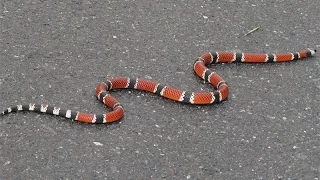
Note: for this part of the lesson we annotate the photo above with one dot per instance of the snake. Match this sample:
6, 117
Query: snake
218, 94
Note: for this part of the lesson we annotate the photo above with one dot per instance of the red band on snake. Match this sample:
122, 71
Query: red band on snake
220, 92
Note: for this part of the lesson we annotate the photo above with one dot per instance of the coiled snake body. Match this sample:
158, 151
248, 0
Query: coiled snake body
219, 94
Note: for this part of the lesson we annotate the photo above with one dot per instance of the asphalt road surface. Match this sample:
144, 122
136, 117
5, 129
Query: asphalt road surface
56, 52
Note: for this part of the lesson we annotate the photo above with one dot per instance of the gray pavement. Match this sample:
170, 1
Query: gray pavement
56, 52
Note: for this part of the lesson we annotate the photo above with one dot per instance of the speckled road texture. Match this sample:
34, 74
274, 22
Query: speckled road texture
56, 52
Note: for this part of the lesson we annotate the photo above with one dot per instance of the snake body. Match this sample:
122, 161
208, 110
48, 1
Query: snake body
220, 92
